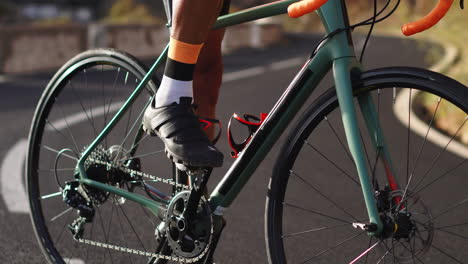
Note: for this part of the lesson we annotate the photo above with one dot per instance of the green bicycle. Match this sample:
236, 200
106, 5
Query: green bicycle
101, 192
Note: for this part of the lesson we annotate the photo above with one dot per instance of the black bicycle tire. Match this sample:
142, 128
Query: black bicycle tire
54, 87
425, 80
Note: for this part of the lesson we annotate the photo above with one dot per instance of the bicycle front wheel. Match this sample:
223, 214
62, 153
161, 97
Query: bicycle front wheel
315, 195
78, 103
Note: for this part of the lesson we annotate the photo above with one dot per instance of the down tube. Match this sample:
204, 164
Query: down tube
281, 115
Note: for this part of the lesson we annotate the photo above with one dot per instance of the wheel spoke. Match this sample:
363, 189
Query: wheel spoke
383, 257
315, 230
323, 195
334, 164
450, 209
137, 121
56, 170
452, 233
317, 213
82, 107
113, 90
440, 177
365, 252
445, 253
105, 234
131, 226
87, 246
60, 132
61, 214
58, 152
148, 216
136, 144
131, 108
434, 162
91, 105
413, 256
64, 227
97, 84
122, 232
68, 127
408, 136
334, 246
47, 196
454, 225
144, 155
425, 138
345, 149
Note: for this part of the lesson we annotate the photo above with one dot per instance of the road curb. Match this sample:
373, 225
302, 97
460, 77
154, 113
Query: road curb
420, 127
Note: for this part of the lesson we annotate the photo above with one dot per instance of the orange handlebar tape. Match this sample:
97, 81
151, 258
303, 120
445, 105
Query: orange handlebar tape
428, 21
304, 7
184, 52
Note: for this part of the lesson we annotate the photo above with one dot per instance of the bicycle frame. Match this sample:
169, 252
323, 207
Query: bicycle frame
336, 54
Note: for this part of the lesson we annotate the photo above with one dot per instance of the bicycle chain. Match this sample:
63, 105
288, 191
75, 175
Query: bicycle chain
139, 173
137, 251
143, 253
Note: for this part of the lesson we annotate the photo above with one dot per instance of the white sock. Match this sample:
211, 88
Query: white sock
171, 90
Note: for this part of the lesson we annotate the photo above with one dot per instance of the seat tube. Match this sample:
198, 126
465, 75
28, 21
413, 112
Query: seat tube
342, 75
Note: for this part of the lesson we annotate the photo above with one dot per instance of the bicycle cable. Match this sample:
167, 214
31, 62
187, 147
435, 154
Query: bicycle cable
370, 21
369, 33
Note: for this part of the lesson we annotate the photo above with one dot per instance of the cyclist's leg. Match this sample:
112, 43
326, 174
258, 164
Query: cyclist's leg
192, 21
173, 120
208, 73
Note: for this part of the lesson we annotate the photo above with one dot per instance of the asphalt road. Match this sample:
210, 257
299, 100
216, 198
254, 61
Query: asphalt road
253, 80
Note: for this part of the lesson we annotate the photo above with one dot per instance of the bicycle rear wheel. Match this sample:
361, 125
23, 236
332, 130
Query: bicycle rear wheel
77, 104
315, 195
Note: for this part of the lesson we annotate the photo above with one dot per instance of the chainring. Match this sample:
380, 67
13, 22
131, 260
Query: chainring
188, 240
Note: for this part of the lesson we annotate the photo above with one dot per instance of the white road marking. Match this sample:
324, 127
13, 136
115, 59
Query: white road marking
3, 79
12, 188
420, 127
80, 117
11, 178
286, 64
73, 261
250, 72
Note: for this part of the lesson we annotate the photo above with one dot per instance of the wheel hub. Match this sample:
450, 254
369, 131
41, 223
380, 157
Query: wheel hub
411, 225
104, 174
404, 226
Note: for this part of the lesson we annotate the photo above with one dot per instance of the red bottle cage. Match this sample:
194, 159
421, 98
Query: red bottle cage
252, 123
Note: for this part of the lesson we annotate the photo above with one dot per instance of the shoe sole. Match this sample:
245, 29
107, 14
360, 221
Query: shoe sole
176, 158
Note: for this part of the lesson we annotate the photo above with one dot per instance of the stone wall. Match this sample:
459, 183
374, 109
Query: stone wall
30, 49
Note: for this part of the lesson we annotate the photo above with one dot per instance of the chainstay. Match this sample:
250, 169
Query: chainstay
140, 173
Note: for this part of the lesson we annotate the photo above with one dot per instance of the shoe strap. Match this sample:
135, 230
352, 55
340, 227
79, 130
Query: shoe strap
208, 122
178, 122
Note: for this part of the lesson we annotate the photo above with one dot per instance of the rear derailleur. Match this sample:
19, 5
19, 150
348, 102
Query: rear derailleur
76, 197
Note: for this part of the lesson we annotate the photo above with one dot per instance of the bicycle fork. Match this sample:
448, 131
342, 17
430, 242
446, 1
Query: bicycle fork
342, 71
